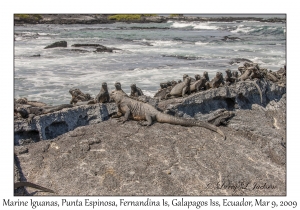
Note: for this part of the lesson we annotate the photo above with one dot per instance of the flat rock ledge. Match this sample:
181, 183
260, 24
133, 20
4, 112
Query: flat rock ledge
112, 158
51, 125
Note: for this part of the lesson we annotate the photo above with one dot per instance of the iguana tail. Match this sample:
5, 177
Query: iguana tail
165, 118
258, 88
29, 184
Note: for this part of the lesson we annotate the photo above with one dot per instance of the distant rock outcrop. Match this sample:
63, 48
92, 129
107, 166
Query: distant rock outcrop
57, 44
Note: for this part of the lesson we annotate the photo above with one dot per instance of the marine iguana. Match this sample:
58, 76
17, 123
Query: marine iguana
186, 76
174, 83
103, 95
162, 93
135, 91
163, 85
229, 79
197, 77
118, 87
142, 111
169, 84
21, 101
198, 85
29, 184
77, 95
32, 103
215, 82
235, 74
205, 75
181, 89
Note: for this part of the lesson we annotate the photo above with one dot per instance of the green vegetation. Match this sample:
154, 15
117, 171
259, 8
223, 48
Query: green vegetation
176, 15
129, 16
27, 16
124, 17
149, 15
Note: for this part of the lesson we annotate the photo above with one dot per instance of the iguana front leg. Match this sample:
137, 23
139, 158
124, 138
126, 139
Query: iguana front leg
149, 121
30, 118
184, 90
126, 116
118, 115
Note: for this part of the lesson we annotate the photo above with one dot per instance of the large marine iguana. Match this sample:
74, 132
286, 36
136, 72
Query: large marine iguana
142, 111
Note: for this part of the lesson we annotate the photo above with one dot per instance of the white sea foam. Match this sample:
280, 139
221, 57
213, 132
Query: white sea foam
194, 25
164, 43
243, 29
47, 34
250, 21
201, 43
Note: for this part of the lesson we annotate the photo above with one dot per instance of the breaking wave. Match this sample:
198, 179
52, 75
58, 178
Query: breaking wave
194, 25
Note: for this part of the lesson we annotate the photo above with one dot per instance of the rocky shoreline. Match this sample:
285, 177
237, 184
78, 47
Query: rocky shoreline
103, 156
103, 19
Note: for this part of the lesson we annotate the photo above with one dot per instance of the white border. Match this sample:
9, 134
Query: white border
153, 6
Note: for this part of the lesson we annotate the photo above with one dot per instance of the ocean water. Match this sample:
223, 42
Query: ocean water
150, 53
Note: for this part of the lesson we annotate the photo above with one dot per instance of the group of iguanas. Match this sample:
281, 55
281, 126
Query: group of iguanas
249, 71
132, 108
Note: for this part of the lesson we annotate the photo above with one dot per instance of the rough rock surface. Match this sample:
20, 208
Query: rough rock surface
238, 96
51, 125
111, 158
200, 106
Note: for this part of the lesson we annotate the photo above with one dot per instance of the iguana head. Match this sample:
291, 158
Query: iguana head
228, 72
218, 75
235, 74
187, 80
104, 85
117, 95
118, 86
197, 77
185, 76
133, 86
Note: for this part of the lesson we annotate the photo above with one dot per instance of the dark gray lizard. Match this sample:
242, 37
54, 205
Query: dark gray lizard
141, 111
29, 184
